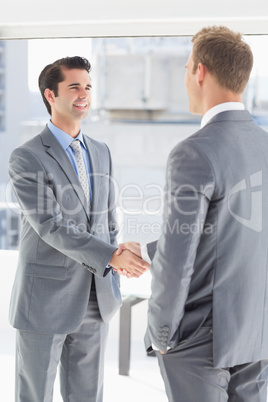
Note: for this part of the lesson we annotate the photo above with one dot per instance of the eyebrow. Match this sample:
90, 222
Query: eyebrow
76, 84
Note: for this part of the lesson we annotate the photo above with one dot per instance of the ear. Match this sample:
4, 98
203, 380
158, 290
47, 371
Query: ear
49, 95
200, 73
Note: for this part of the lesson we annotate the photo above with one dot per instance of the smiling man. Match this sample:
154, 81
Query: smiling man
65, 290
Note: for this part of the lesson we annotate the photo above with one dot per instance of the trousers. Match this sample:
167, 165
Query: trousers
79, 355
189, 375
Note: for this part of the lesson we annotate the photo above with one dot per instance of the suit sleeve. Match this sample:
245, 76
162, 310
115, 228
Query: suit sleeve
151, 249
41, 209
188, 191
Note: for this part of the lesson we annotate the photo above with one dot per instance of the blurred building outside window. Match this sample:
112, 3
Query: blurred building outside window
139, 108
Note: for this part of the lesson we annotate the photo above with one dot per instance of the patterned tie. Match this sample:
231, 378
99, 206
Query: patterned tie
82, 173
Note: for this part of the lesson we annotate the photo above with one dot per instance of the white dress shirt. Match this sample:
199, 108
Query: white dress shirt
222, 107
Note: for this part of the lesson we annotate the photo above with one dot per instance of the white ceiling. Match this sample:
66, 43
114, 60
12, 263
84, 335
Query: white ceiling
88, 18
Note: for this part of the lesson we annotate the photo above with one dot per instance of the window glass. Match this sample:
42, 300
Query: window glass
139, 108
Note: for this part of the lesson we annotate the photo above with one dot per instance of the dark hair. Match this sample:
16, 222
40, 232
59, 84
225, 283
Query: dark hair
52, 74
226, 56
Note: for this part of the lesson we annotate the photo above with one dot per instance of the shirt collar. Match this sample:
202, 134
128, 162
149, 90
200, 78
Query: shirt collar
63, 138
222, 107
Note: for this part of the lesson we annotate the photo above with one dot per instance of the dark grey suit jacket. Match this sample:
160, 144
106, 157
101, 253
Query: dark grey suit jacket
62, 244
210, 264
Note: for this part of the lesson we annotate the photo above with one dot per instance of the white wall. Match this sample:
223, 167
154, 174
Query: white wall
88, 18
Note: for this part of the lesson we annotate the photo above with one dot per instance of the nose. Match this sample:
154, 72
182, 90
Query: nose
83, 94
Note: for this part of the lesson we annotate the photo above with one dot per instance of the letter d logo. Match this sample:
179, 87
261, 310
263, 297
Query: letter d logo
255, 221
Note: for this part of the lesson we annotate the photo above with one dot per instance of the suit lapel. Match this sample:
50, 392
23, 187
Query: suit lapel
55, 150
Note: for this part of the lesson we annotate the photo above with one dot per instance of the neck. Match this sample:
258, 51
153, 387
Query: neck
214, 94
211, 102
72, 128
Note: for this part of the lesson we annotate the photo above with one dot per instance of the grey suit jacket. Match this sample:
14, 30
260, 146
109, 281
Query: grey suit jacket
62, 244
210, 264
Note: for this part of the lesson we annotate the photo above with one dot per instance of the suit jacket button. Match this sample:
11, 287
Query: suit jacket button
165, 329
163, 343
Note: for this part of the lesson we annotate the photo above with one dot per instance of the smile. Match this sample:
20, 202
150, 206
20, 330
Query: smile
83, 105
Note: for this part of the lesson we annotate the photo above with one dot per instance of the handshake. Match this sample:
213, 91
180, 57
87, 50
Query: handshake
127, 260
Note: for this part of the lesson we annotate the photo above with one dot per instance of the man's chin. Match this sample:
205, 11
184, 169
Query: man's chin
194, 111
81, 115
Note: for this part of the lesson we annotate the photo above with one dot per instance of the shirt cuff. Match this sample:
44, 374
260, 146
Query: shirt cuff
156, 348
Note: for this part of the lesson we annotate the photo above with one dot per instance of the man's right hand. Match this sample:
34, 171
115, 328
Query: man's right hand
129, 262
132, 246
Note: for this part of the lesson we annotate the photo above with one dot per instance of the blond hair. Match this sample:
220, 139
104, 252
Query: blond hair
226, 56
